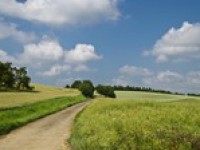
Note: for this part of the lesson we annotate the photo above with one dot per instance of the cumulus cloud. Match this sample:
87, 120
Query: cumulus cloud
9, 30
121, 80
173, 81
55, 70
81, 68
50, 59
47, 50
5, 57
81, 54
62, 12
182, 43
136, 71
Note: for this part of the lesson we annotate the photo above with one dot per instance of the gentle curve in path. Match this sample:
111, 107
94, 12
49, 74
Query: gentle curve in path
49, 133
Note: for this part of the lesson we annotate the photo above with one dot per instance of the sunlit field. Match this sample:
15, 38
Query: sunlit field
132, 122
133, 95
41, 92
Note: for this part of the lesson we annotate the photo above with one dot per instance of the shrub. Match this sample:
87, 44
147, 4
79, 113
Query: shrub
107, 91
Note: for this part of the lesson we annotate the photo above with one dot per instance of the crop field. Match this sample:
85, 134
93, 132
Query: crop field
41, 92
139, 124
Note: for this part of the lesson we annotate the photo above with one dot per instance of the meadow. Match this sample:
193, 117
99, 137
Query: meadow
135, 95
139, 121
40, 93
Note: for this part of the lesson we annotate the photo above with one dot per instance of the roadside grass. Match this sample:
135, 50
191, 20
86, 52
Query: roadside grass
41, 92
138, 125
12, 118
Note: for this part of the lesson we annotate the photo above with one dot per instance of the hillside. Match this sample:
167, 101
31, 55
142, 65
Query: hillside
41, 92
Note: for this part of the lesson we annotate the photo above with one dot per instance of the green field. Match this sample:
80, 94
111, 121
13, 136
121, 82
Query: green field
41, 92
133, 95
134, 123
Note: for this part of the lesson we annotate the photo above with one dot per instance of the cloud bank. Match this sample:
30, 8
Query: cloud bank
50, 59
10, 30
178, 44
61, 12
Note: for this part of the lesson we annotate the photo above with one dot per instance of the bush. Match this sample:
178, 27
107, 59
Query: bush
87, 88
107, 91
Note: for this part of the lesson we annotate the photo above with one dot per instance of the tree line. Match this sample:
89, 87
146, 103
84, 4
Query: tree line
87, 89
14, 77
144, 89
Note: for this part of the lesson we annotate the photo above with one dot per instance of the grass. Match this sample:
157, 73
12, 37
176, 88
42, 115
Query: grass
139, 124
16, 117
42, 92
134, 95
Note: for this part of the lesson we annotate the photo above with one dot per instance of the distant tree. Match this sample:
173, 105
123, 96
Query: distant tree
76, 84
107, 91
67, 86
87, 88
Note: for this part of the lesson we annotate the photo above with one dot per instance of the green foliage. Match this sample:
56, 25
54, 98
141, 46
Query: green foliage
76, 84
107, 91
87, 88
16, 117
12, 77
138, 125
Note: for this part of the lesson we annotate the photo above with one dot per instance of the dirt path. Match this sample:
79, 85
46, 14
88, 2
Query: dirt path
49, 133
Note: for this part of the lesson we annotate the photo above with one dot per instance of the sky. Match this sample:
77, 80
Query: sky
120, 42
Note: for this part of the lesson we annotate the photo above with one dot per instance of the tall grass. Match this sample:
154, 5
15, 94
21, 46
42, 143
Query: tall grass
138, 125
16, 117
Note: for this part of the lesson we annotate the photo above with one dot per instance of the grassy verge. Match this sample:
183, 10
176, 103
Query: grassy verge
16, 117
138, 125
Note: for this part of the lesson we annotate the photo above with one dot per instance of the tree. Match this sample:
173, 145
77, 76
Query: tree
67, 86
6, 75
13, 77
107, 91
22, 80
76, 84
87, 88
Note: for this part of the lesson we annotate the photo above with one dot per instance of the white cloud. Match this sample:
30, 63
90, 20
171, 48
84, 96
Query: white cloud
47, 50
169, 77
81, 68
12, 31
48, 58
133, 70
55, 70
60, 12
121, 80
5, 57
82, 53
173, 81
182, 43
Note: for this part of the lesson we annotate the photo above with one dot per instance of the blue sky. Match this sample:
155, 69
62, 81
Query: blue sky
138, 42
